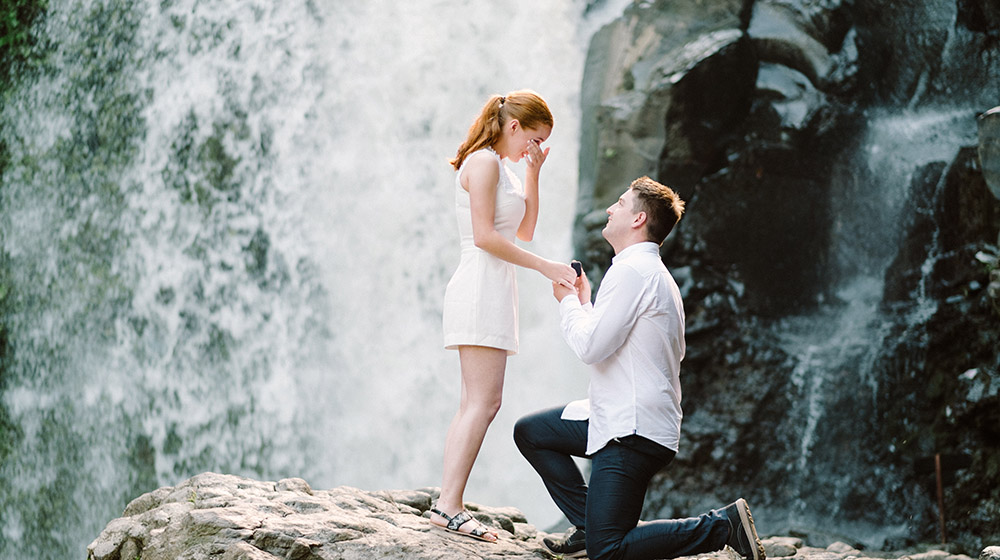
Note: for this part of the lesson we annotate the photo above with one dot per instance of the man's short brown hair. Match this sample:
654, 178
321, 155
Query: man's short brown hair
663, 207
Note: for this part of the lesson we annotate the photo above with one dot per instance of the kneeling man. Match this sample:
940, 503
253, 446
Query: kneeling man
633, 337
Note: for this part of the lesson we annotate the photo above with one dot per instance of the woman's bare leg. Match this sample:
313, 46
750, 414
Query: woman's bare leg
482, 391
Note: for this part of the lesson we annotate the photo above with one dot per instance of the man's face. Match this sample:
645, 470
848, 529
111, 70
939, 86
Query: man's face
620, 218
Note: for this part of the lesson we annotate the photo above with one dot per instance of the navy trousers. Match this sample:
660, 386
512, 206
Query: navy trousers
608, 510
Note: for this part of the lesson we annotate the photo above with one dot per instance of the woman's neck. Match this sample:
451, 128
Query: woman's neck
500, 147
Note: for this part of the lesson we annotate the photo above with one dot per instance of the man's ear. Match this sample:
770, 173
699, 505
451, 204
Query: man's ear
639, 220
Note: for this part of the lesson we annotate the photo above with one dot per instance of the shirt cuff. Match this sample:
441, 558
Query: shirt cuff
572, 301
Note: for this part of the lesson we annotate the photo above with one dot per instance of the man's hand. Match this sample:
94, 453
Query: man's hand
560, 291
583, 289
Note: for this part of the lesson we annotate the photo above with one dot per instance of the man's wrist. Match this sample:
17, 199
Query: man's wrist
569, 301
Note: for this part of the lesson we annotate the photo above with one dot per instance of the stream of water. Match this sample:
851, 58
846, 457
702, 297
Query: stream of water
230, 226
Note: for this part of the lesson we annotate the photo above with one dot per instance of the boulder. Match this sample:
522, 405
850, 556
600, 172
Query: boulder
781, 547
990, 553
738, 112
661, 85
227, 517
224, 516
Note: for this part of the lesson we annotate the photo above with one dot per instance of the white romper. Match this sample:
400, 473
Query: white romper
480, 303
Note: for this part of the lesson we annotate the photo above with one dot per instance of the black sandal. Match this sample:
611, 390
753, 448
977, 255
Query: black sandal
461, 518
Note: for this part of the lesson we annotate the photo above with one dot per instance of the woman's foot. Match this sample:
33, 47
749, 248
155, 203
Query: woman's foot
464, 524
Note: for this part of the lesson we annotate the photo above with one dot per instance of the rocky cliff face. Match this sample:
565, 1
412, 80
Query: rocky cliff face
834, 258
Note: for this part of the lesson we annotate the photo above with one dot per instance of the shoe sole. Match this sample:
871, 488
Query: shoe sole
746, 518
464, 534
577, 554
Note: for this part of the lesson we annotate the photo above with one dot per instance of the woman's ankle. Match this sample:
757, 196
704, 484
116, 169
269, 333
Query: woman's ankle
448, 507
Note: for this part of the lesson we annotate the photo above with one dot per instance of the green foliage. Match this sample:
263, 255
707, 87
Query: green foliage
4, 155
16, 47
16, 39
79, 176
11, 433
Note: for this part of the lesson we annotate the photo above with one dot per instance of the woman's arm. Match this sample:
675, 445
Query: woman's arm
480, 177
536, 157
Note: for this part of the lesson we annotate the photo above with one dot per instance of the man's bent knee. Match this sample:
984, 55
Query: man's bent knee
522, 432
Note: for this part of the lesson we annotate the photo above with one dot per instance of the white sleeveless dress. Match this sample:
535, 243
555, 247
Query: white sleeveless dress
480, 303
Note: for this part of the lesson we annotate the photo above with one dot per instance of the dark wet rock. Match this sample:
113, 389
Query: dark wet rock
688, 60
914, 53
802, 36
767, 117
981, 16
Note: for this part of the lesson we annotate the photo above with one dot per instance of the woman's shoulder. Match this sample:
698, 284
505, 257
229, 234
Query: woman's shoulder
483, 155
481, 161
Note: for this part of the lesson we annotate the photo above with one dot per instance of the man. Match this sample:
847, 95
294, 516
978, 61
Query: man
633, 336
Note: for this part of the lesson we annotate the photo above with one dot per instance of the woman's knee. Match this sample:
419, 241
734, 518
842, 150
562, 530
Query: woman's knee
485, 408
491, 409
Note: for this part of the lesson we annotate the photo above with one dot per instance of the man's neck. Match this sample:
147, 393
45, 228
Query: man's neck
628, 243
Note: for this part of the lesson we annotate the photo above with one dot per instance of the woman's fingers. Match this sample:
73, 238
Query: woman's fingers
536, 155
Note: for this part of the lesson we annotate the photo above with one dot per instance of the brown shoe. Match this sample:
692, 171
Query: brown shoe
742, 533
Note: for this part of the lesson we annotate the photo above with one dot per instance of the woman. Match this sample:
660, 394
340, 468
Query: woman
480, 304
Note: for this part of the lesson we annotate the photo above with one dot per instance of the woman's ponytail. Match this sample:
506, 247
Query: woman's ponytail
484, 132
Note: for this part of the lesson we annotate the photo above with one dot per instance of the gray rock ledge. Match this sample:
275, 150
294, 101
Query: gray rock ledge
226, 517
229, 517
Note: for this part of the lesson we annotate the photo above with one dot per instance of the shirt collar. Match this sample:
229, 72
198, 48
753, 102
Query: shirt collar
641, 247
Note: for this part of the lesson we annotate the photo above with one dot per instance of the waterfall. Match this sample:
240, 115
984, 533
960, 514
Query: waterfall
227, 229
837, 348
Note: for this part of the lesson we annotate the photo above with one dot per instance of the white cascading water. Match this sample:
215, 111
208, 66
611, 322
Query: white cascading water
838, 345
265, 298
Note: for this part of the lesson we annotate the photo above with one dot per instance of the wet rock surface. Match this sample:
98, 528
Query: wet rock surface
838, 256
223, 516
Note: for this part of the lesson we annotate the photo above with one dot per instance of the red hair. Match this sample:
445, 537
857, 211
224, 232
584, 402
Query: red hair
526, 106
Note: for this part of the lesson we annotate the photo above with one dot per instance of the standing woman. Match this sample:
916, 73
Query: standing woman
480, 304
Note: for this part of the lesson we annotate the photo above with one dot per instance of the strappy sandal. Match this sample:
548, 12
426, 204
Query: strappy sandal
461, 518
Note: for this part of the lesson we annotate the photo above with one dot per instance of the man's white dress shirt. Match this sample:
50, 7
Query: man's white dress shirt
633, 336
